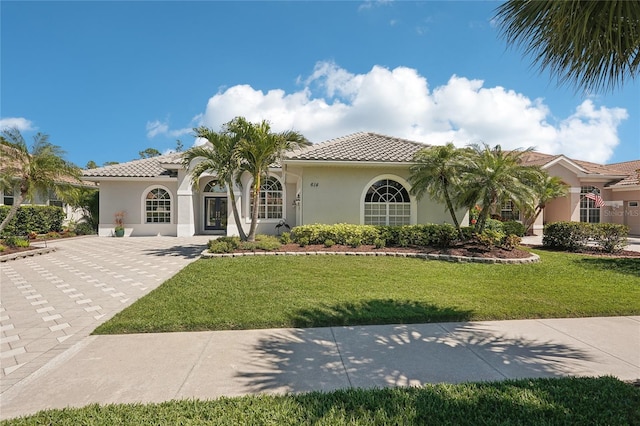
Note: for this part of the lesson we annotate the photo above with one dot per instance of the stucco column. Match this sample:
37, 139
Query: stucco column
185, 218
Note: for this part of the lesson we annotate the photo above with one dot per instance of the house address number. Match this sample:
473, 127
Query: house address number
315, 184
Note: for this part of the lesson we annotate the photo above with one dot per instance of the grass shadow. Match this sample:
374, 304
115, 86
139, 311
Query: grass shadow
376, 311
628, 266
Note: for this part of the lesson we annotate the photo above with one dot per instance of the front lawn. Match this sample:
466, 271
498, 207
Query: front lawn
315, 291
569, 401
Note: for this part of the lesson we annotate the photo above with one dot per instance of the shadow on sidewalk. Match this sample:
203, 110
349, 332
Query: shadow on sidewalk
191, 251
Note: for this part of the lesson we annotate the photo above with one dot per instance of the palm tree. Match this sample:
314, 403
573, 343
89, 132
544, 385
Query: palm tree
493, 175
546, 188
258, 148
437, 172
34, 172
218, 157
592, 44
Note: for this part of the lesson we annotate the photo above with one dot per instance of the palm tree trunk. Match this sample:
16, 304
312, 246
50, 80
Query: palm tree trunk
452, 212
234, 209
255, 196
12, 211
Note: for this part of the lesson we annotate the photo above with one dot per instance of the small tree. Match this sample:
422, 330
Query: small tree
546, 188
493, 175
149, 153
258, 148
33, 172
218, 157
437, 171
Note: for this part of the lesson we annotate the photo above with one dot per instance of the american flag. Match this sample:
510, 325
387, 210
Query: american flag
596, 198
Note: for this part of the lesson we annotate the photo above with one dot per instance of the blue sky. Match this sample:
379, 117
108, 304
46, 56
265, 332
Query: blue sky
108, 79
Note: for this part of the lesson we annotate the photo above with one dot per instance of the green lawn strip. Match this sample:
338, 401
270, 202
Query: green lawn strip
313, 291
574, 401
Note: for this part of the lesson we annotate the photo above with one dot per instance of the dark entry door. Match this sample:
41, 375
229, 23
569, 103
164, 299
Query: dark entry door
215, 213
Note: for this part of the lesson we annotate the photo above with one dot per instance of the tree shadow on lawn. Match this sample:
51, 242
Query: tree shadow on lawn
380, 356
630, 266
376, 311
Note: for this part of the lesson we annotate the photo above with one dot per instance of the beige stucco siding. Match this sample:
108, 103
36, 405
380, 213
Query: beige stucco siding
128, 196
335, 195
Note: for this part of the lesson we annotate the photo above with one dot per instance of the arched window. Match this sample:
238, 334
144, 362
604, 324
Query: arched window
270, 199
157, 206
215, 186
387, 202
590, 203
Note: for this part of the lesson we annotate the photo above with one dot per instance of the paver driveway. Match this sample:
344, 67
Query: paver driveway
49, 302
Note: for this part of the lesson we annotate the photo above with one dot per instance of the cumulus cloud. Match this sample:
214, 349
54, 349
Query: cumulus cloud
333, 102
20, 123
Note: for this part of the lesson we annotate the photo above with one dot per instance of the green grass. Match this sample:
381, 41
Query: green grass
569, 401
309, 291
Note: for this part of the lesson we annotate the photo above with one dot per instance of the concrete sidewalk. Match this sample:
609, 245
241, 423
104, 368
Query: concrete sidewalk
204, 365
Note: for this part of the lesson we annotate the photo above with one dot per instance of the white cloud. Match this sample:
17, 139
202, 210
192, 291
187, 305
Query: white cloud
334, 102
20, 123
157, 127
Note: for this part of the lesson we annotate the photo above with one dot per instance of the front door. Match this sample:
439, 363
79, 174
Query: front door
215, 213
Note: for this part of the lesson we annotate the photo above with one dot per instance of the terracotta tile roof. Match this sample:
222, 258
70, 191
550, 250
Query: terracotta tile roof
631, 169
148, 167
535, 158
363, 146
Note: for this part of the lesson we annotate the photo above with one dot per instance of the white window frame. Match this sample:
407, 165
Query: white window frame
284, 202
144, 205
413, 203
590, 204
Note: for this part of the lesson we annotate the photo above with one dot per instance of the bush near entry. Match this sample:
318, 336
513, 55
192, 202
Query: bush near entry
574, 236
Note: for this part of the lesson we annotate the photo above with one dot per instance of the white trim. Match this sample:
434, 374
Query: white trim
172, 206
414, 202
572, 166
247, 201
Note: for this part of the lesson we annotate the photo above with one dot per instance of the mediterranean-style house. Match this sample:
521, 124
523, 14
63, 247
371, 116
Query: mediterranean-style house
360, 178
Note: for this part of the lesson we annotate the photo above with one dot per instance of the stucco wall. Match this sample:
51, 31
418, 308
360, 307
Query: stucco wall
334, 195
125, 196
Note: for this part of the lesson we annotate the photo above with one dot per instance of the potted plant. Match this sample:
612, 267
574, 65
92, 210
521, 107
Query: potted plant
119, 224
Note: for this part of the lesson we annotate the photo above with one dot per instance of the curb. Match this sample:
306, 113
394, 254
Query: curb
534, 258
27, 253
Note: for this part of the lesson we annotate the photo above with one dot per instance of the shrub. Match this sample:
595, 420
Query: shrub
303, 241
15, 241
329, 243
511, 241
267, 242
379, 243
567, 235
513, 227
285, 238
611, 237
467, 232
38, 219
85, 228
340, 233
2, 248
446, 235
224, 245
52, 235
490, 238
494, 225
354, 242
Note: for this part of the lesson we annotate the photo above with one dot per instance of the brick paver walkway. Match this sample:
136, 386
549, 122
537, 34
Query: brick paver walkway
49, 302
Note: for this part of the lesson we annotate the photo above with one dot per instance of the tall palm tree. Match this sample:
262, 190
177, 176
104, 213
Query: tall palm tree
437, 171
493, 175
546, 188
217, 157
592, 44
33, 172
257, 149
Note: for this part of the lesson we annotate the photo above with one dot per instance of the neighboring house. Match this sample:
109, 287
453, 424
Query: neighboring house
618, 185
360, 178
72, 214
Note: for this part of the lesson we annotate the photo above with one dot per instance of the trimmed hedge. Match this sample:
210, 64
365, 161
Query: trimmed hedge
38, 219
573, 236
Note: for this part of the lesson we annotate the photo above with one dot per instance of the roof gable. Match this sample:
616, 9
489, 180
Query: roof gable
360, 147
